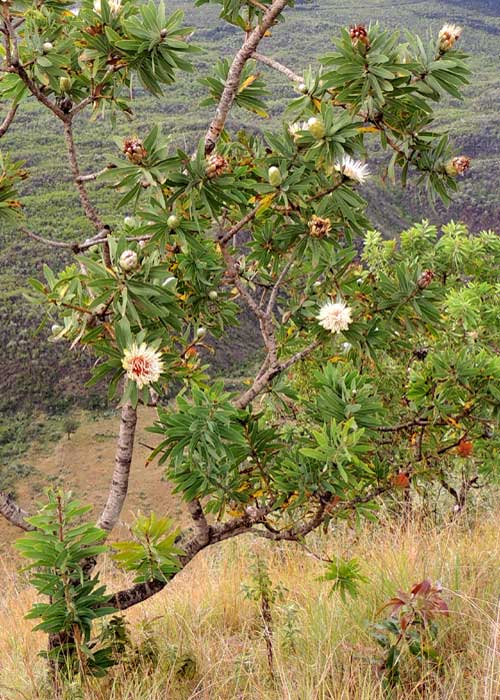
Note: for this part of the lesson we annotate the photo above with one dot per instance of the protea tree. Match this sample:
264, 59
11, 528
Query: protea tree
367, 380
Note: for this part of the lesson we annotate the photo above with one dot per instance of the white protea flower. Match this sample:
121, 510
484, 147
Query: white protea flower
294, 128
114, 6
353, 169
335, 316
142, 364
449, 34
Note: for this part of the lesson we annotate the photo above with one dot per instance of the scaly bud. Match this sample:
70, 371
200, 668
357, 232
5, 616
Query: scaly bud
134, 150
216, 165
128, 260
457, 166
448, 35
359, 34
318, 227
425, 279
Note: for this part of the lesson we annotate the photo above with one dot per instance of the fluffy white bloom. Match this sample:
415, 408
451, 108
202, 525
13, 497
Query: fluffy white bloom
449, 34
335, 316
114, 6
353, 169
128, 260
294, 128
142, 364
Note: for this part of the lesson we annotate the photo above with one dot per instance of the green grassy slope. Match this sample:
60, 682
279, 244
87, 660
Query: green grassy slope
36, 373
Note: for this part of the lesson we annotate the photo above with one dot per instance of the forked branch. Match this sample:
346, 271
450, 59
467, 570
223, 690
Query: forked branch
229, 93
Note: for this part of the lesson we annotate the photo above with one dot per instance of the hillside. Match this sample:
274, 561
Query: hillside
61, 461
38, 374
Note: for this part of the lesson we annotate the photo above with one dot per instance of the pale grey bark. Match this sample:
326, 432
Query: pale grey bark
121, 473
13, 513
276, 65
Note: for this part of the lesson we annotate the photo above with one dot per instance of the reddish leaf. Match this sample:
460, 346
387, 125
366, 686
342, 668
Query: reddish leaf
422, 588
401, 480
465, 448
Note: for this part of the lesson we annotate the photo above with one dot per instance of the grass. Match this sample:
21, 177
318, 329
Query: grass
208, 642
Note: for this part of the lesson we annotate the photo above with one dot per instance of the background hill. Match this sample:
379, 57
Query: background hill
38, 375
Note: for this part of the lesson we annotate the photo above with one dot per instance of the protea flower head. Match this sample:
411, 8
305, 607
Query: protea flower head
318, 227
352, 169
134, 150
457, 166
449, 34
335, 316
359, 34
216, 165
142, 364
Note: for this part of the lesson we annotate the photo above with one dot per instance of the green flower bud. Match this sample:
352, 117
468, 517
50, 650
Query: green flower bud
65, 83
274, 176
316, 128
213, 295
173, 221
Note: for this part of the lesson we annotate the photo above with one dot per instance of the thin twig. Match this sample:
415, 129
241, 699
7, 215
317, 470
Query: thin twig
228, 235
93, 176
276, 65
90, 211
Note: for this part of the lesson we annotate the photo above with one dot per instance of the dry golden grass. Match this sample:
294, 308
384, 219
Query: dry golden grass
204, 624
